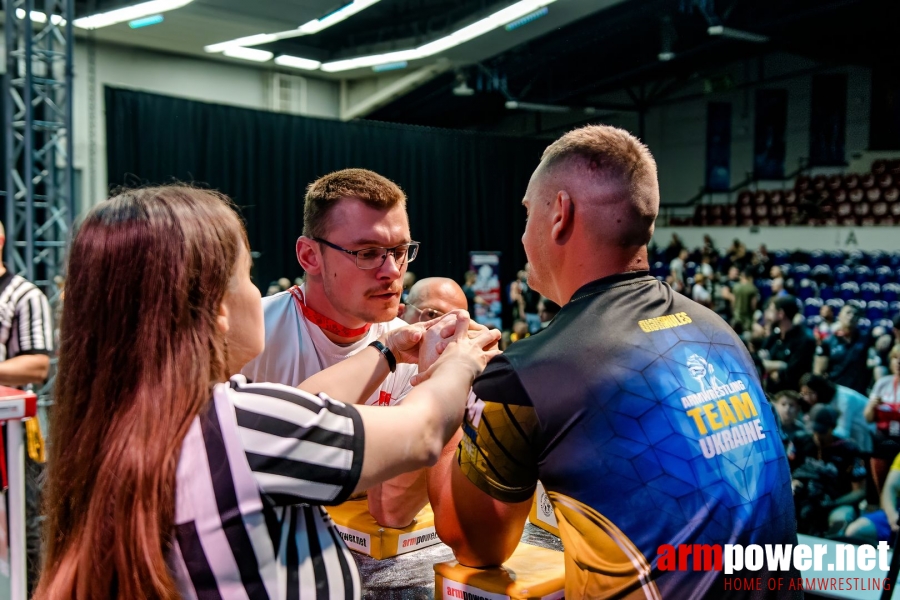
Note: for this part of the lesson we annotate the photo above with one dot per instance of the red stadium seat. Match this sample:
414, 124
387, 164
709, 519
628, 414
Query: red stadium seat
764, 221
844, 210
778, 210
885, 180
851, 181
880, 209
776, 197
761, 197
879, 166
732, 212
762, 211
745, 197
862, 209
802, 183
895, 209
894, 167
819, 182
780, 221
839, 195
830, 221
715, 210
873, 194
790, 197
746, 212
867, 181
848, 221
747, 223
891, 194
835, 182
856, 195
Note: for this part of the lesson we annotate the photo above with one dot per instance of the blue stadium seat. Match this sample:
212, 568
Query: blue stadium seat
870, 291
863, 274
849, 290
864, 325
659, 268
817, 258
860, 304
827, 292
780, 257
800, 271
836, 304
884, 274
894, 307
812, 306
835, 258
886, 323
765, 288
894, 260
813, 321
842, 273
807, 289
856, 257
878, 258
890, 292
876, 310
690, 268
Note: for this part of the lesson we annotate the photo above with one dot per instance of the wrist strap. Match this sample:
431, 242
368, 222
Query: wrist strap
392, 361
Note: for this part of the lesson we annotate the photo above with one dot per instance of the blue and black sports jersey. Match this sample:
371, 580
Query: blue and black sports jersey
642, 414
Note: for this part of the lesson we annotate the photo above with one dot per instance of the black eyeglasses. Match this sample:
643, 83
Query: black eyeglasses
373, 258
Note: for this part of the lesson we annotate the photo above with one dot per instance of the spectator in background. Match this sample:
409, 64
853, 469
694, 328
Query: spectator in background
472, 299
547, 309
788, 353
273, 289
673, 250
284, 283
519, 331
881, 525
844, 356
709, 247
745, 297
706, 268
788, 406
883, 409
828, 325
525, 300
762, 258
831, 474
676, 270
431, 298
849, 404
778, 287
699, 293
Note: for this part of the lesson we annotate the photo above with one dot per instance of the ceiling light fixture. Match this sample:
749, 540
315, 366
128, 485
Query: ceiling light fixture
308, 28
737, 34
251, 54
665, 56
394, 66
286, 60
548, 108
476, 29
146, 21
527, 19
129, 13
39, 17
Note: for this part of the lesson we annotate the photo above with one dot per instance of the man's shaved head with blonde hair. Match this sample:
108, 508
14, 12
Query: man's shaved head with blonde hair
617, 178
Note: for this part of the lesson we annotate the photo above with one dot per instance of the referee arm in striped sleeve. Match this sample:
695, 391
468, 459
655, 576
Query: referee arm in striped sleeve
304, 448
31, 339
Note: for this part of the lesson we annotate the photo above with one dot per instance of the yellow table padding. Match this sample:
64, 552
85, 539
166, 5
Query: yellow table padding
530, 573
541, 514
363, 534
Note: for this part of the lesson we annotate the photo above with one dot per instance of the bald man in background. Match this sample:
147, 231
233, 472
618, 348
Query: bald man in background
636, 454
431, 298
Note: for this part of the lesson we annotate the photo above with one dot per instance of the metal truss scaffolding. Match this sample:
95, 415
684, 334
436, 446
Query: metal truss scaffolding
39, 183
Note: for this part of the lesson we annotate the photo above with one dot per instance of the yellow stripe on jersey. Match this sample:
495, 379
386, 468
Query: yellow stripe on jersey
496, 451
601, 561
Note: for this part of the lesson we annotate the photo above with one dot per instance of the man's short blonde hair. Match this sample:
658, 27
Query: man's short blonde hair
618, 157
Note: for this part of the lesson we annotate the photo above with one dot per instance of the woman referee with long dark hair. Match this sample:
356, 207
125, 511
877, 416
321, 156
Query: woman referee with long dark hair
168, 480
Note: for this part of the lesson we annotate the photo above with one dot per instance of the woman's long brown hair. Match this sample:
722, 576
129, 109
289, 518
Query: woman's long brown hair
139, 353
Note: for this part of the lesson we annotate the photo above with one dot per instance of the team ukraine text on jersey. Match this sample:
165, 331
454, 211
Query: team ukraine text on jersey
642, 414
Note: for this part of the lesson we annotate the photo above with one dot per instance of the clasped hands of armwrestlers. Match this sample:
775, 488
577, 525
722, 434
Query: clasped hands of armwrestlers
451, 337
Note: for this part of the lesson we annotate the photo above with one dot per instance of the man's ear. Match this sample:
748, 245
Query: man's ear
562, 214
222, 321
308, 255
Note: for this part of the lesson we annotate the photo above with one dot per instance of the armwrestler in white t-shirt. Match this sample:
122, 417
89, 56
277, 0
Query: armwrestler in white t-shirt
347, 301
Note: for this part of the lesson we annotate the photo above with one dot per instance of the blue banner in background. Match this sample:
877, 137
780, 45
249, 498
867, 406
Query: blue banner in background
718, 146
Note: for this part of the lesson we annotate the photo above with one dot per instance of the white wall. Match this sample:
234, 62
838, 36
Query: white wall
867, 239
186, 77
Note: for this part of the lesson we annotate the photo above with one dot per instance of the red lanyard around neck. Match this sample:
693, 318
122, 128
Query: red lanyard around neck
324, 322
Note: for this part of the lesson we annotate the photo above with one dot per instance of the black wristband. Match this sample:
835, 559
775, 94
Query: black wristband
392, 361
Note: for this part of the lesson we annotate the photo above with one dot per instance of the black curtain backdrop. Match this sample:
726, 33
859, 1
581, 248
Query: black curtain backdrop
464, 190
828, 120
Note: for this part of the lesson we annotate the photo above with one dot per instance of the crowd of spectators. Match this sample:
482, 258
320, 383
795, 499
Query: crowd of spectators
824, 332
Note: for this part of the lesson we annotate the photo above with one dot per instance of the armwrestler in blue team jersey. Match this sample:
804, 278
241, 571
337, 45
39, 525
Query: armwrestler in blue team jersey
639, 410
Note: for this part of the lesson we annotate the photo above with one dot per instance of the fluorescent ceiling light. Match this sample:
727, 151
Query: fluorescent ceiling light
308, 28
344, 12
394, 66
249, 54
460, 36
527, 19
549, 108
286, 60
39, 17
129, 13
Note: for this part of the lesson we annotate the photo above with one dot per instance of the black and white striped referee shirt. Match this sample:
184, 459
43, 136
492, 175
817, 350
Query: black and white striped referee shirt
25, 326
255, 469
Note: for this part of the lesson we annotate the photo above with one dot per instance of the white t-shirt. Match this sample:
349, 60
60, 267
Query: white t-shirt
676, 267
297, 349
701, 294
